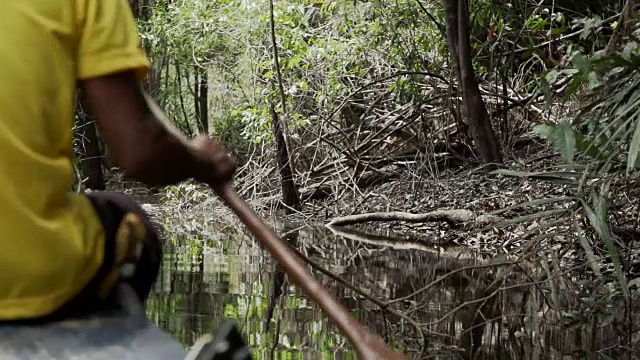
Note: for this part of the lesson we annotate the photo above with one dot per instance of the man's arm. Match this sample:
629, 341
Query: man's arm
143, 143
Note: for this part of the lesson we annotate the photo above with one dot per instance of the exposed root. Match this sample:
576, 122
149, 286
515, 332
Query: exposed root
453, 217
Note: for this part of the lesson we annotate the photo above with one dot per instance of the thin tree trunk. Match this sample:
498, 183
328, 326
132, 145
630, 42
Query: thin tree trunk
291, 199
202, 96
142, 11
183, 108
453, 38
193, 89
196, 92
625, 26
451, 29
290, 195
483, 135
477, 116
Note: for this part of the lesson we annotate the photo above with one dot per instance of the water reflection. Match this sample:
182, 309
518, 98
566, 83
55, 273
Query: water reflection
224, 274
204, 282
201, 285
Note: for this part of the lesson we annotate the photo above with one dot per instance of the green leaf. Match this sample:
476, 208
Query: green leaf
588, 250
581, 63
561, 136
598, 220
545, 89
634, 149
552, 76
589, 148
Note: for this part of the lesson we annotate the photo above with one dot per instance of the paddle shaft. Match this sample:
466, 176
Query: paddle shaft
367, 345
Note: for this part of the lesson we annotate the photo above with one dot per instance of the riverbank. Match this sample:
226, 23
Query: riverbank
536, 269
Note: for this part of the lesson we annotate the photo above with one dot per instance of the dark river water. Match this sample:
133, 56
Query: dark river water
216, 272
206, 279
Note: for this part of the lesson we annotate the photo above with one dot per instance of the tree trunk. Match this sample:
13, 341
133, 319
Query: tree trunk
290, 195
477, 116
625, 26
90, 153
451, 29
201, 96
451, 22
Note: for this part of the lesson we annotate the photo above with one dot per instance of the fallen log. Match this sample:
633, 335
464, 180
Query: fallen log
454, 217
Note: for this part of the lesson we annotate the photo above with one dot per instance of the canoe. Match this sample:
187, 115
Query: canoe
122, 332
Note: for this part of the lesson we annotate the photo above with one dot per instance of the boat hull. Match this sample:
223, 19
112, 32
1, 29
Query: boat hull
122, 332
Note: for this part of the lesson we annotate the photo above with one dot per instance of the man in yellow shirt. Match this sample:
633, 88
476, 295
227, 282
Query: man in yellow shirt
58, 248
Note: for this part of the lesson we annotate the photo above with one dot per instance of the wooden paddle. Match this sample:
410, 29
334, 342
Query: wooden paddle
368, 346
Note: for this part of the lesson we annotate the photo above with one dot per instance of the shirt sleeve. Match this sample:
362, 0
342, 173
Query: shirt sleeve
109, 40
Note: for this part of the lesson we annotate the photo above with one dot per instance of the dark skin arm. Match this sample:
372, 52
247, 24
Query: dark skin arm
143, 143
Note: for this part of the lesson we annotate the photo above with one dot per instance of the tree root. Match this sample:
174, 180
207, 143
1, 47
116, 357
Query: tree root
454, 217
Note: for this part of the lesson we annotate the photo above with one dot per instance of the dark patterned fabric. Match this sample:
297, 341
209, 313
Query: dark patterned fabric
112, 208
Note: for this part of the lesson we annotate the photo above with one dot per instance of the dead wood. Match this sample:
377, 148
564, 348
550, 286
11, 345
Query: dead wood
454, 217
324, 189
627, 234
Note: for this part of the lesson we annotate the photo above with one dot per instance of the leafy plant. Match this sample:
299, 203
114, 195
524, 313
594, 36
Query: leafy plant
599, 146
608, 128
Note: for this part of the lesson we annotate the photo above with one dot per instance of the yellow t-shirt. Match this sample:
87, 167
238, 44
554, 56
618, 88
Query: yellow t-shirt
51, 241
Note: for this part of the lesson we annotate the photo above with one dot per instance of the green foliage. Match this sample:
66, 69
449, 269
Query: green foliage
325, 52
567, 141
599, 145
613, 117
181, 37
608, 127
561, 136
328, 52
